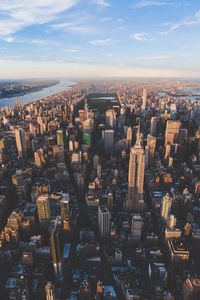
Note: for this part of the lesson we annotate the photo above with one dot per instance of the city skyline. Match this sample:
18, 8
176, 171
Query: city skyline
99, 38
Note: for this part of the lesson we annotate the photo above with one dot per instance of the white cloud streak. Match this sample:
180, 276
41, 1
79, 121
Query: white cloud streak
141, 37
19, 14
103, 3
186, 22
103, 42
148, 3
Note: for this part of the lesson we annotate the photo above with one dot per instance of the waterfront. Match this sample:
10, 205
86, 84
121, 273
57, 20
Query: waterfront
29, 97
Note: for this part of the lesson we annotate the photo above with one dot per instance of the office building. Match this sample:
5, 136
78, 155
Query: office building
21, 185
172, 132
191, 289
167, 150
43, 208
144, 99
129, 136
56, 247
178, 251
50, 293
166, 207
153, 126
146, 157
104, 221
136, 227
135, 197
60, 139
65, 211
110, 118
20, 143
151, 142
108, 140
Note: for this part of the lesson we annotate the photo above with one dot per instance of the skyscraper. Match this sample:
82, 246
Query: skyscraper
153, 126
151, 142
172, 132
49, 289
166, 206
20, 142
108, 140
144, 98
104, 221
110, 118
65, 211
129, 136
135, 197
55, 240
136, 227
43, 209
60, 139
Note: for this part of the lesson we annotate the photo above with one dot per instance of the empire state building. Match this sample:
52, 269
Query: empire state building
135, 196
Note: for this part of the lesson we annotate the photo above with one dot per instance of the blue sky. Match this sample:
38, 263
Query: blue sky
79, 38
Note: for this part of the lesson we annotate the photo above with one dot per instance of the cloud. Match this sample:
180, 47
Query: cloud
77, 27
186, 22
8, 39
18, 14
148, 3
104, 3
141, 36
70, 50
44, 43
103, 42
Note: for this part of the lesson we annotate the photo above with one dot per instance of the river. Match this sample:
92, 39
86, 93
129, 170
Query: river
33, 96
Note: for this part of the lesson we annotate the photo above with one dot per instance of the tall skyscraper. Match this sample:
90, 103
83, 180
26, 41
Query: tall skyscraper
172, 132
110, 118
129, 136
60, 139
20, 142
144, 98
65, 211
108, 140
166, 206
153, 126
104, 221
136, 227
22, 189
151, 142
56, 246
135, 197
43, 209
49, 289
146, 156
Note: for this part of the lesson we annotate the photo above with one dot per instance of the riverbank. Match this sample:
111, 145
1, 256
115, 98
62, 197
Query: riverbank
34, 96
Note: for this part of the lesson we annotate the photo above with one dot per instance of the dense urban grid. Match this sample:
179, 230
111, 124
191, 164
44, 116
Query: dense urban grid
100, 193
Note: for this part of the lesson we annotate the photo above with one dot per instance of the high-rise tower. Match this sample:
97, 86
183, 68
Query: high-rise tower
166, 206
135, 197
172, 132
104, 221
129, 136
43, 209
55, 240
49, 289
20, 142
65, 211
151, 142
144, 98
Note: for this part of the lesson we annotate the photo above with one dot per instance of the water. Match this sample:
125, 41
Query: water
24, 99
190, 91
104, 98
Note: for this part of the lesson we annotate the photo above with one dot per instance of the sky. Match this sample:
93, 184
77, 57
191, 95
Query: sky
99, 38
